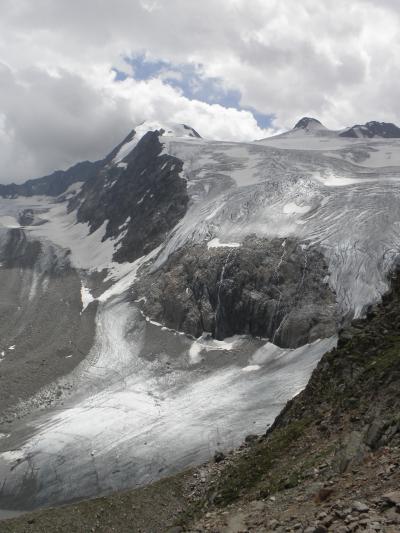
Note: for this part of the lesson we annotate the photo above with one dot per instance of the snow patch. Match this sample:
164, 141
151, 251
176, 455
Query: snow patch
125, 150
13, 455
73, 189
215, 243
124, 274
88, 250
9, 222
251, 368
207, 343
292, 208
332, 180
168, 130
86, 296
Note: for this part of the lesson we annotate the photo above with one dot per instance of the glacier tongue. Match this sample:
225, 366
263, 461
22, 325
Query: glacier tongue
138, 419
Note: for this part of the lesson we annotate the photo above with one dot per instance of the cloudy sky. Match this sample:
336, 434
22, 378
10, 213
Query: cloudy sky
77, 75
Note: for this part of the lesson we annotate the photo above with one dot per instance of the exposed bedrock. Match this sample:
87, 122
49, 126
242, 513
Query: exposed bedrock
43, 334
140, 199
267, 288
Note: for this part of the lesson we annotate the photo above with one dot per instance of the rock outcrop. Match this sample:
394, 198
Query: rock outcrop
266, 288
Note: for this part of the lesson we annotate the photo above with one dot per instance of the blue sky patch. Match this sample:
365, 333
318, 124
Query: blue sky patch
191, 81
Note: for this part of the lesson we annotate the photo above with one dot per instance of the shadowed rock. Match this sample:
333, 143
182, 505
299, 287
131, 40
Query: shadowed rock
266, 288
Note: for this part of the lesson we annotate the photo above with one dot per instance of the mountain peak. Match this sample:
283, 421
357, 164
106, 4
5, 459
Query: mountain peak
386, 130
164, 129
308, 123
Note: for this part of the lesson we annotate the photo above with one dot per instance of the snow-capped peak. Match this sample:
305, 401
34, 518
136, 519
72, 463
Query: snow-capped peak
309, 124
165, 129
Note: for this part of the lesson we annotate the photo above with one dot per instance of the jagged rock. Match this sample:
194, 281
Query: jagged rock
144, 198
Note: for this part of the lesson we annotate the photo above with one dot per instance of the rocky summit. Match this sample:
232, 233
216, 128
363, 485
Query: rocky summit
213, 324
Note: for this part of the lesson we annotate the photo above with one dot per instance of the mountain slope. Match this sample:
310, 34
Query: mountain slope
206, 275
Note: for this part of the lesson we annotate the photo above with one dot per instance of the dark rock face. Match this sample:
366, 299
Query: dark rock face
142, 200
53, 184
266, 288
387, 130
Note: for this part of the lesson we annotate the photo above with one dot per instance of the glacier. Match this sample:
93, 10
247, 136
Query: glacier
145, 400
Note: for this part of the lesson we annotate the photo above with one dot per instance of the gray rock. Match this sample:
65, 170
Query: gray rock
392, 498
351, 453
360, 507
263, 289
218, 457
273, 524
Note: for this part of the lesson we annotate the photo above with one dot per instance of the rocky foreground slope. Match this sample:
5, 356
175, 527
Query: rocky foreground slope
329, 463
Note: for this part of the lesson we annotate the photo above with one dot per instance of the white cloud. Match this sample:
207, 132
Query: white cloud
60, 103
54, 120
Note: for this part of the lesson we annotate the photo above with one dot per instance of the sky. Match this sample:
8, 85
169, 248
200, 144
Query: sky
77, 75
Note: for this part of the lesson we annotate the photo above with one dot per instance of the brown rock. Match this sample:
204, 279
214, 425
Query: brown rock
392, 498
324, 494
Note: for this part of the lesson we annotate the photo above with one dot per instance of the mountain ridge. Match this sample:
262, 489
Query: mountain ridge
58, 182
